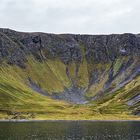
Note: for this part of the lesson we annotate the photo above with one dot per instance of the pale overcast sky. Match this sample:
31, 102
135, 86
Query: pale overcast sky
71, 16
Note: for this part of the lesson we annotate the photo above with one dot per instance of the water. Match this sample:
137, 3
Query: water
70, 130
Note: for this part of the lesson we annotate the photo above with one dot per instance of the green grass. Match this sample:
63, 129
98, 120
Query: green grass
17, 97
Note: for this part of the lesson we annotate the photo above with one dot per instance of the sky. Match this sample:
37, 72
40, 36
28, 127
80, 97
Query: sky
71, 16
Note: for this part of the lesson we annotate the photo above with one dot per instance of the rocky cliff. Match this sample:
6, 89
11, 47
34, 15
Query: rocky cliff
79, 69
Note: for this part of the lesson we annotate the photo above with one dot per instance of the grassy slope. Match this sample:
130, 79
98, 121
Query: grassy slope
17, 96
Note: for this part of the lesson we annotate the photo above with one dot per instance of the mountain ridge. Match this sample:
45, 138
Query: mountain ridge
78, 69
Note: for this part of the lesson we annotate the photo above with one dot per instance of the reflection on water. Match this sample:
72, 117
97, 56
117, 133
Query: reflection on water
70, 130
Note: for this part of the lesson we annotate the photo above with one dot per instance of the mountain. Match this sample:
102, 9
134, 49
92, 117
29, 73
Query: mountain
66, 76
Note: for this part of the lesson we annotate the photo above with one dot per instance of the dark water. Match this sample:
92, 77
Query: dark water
70, 131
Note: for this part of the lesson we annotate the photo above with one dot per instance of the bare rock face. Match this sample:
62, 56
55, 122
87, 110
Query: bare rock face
100, 48
11, 51
111, 60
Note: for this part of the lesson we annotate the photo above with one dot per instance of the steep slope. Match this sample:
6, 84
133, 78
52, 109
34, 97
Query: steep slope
99, 71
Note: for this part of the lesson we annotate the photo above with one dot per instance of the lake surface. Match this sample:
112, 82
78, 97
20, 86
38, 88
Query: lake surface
70, 130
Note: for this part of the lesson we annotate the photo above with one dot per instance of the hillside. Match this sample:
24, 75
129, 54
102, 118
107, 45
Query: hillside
66, 76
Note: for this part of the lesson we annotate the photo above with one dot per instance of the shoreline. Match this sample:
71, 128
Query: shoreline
70, 120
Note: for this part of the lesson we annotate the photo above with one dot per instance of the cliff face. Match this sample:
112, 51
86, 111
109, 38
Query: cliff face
75, 68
